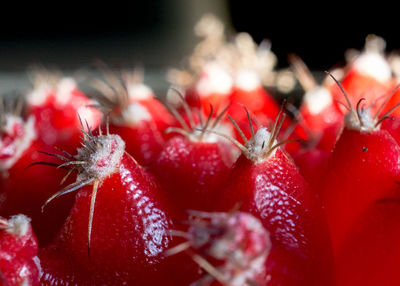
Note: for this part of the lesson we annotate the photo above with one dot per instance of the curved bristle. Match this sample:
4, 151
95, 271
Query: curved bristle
208, 267
207, 121
302, 72
178, 117
68, 189
63, 151
4, 224
42, 163
378, 112
67, 175
72, 163
55, 155
176, 130
246, 142
386, 115
186, 107
282, 143
91, 212
342, 89
200, 115
177, 249
232, 140
358, 111
342, 104
250, 123
277, 125
219, 116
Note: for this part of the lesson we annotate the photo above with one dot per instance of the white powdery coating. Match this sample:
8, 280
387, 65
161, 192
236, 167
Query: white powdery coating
367, 123
65, 88
214, 80
258, 146
19, 225
373, 64
135, 113
39, 95
247, 80
20, 144
139, 91
105, 160
63, 92
242, 265
317, 99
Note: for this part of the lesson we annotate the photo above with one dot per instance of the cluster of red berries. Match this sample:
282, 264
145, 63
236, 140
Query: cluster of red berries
217, 186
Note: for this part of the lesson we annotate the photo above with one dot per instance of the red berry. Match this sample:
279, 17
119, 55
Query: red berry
230, 247
119, 215
19, 264
369, 75
135, 114
24, 190
361, 169
56, 108
266, 183
192, 168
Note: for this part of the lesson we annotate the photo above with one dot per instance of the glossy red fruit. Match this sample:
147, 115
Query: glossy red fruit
193, 168
118, 227
23, 189
361, 169
140, 93
373, 238
319, 112
136, 115
19, 264
139, 130
231, 248
369, 75
56, 108
266, 183
214, 86
372, 158
248, 92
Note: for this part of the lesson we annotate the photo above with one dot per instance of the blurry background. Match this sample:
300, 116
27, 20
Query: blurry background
158, 34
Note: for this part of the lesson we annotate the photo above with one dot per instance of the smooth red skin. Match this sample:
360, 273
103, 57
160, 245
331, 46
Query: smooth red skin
27, 189
371, 253
355, 179
143, 141
312, 164
268, 190
129, 233
359, 86
59, 125
193, 173
392, 125
16, 254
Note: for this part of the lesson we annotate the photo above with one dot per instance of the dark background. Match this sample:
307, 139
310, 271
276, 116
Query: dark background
158, 34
